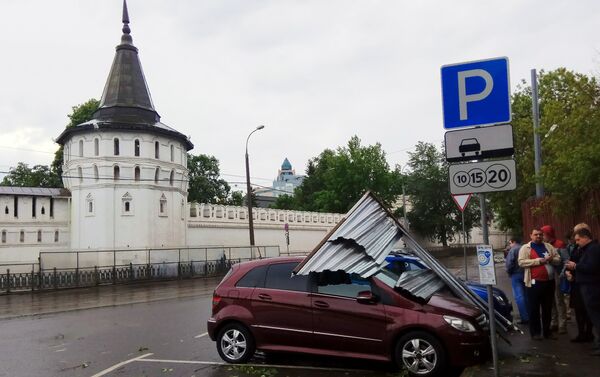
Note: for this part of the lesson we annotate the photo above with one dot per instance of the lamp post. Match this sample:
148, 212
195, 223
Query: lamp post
249, 189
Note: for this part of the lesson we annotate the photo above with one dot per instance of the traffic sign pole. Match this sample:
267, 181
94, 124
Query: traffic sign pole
465, 246
491, 315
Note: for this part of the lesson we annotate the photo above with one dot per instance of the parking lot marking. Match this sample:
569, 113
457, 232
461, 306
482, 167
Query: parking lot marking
201, 335
250, 365
108, 370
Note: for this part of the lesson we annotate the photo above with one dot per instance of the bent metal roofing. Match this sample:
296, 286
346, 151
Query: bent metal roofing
362, 240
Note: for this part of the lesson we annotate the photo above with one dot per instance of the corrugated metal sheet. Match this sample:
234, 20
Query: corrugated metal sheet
33, 191
420, 283
362, 240
359, 244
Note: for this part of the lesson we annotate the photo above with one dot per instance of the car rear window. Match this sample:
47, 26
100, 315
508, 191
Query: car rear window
279, 276
253, 278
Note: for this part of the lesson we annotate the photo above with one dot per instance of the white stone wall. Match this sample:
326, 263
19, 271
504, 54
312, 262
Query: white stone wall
23, 237
213, 225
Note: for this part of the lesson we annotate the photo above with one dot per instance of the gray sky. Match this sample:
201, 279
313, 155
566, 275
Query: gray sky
313, 72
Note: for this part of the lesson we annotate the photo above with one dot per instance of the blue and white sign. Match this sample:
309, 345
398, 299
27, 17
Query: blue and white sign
476, 93
487, 269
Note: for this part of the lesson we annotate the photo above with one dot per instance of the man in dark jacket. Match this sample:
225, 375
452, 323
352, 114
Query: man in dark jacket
516, 276
587, 275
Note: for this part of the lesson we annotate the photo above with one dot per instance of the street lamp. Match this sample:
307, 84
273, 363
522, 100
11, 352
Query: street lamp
249, 189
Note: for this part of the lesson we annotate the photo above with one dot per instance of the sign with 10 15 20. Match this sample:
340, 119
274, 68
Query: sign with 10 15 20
481, 177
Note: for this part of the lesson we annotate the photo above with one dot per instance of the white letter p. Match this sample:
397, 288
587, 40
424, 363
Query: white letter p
464, 98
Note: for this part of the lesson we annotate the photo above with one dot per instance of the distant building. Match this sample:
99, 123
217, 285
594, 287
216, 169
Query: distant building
285, 184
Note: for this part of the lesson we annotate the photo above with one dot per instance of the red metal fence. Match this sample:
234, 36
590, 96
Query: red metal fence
539, 212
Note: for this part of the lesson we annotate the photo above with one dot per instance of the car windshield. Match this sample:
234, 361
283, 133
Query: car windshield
388, 277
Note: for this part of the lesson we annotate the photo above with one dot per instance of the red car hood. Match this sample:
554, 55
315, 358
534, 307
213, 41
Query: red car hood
445, 302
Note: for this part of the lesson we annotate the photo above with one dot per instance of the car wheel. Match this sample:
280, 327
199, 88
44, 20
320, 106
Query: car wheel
235, 344
420, 353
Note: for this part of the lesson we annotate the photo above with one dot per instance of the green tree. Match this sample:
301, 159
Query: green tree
433, 213
80, 113
335, 180
569, 128
205, 184
24, 176
284, 202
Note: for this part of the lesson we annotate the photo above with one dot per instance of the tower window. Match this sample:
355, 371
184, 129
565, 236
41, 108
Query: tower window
172, 177
56, 236
6, 210
136, 147
127, 206
137, 173
51, 207
172, 153
80, 174
116, 173
80, 148
89, 200
33, 205
156, 175
162, 206
156, 149
4, 236
16, 207
96, 176
116, 145
43, 210
96, 147
39, 236
22, 236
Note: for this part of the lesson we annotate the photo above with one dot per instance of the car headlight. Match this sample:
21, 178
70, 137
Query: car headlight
500, 300
459, 324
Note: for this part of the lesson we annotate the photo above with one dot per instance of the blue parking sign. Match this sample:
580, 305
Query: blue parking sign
476, 93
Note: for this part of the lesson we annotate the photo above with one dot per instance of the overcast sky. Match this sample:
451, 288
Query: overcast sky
313, 72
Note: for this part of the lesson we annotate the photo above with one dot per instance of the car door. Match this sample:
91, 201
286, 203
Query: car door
343, 324
282, 308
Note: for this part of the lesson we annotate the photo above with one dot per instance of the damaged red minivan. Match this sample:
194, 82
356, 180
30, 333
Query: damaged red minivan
262, 305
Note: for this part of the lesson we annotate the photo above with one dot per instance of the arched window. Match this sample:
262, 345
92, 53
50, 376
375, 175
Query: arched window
89, 200
137, 173
171, 177
43, 210
156, 149
172, 153
6, 210
4, 236
136, 147
80, 174
157, 175
116, 145
22, 236
96, 147
56, 236
80, 148
127, 205
96, 176
116, 173
39, 236
162, 209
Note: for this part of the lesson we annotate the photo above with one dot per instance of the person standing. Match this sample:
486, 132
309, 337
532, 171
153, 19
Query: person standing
559, 309
538, 259
516, 277
584, 325
587, 275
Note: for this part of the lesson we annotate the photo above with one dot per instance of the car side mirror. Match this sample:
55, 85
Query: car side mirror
366, 297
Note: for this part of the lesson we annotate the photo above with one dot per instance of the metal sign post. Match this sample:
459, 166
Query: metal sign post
462, 201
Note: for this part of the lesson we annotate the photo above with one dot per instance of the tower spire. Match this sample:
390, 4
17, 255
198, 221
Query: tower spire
126, 38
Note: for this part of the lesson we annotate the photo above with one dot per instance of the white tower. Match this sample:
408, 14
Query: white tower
127, 171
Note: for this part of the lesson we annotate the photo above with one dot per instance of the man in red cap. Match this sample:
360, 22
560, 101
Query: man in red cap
559, 307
